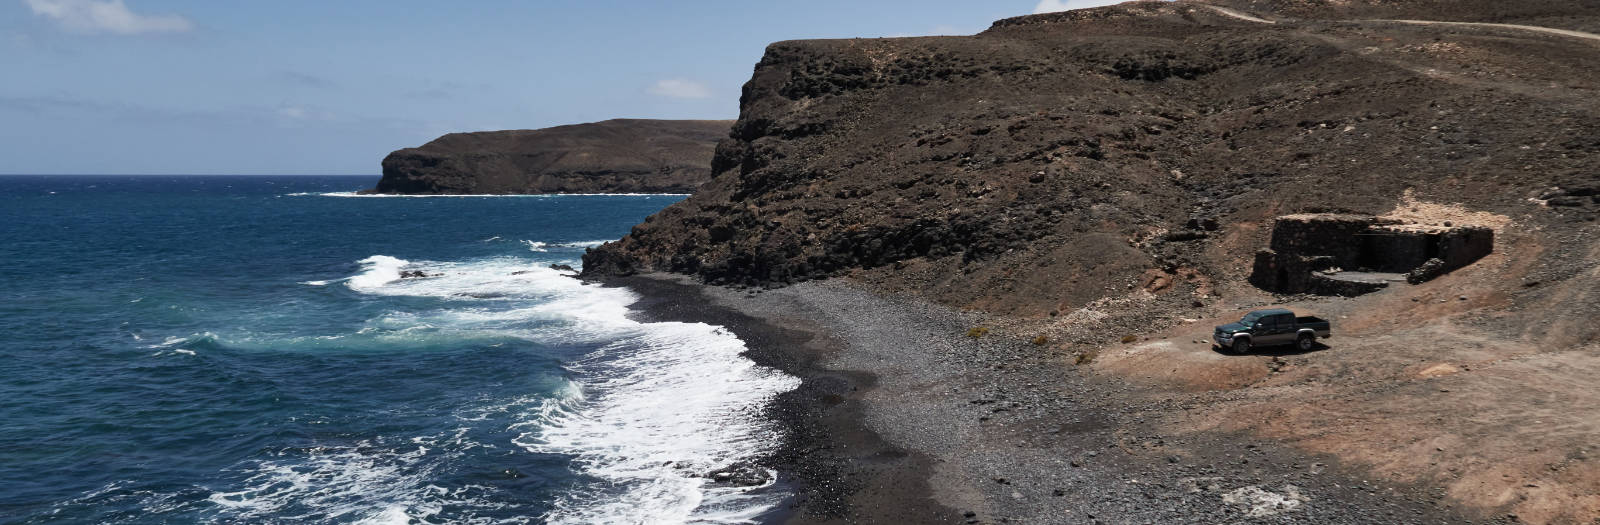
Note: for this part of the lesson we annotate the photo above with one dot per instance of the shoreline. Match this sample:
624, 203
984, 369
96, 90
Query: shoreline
903, 418
829, 455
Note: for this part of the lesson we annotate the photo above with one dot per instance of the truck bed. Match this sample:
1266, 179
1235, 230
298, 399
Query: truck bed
1317, 324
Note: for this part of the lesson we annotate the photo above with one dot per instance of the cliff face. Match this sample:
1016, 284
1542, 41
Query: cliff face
614, 156
1056, 160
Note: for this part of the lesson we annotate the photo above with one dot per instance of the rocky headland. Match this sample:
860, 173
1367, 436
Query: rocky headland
614, 156
1069, 202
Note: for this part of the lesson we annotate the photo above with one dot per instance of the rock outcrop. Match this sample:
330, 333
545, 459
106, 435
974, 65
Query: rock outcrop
614, 156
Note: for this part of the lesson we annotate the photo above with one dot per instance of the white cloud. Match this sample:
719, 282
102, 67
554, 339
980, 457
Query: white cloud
680, 88
1051, 6
106, 16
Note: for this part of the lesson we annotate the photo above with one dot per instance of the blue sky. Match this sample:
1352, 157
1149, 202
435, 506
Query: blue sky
330, 87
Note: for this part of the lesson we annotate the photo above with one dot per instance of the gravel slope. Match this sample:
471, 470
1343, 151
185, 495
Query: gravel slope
906, 419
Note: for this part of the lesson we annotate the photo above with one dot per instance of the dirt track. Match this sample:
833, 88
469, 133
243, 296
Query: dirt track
1563, 32
1239, 15
1553, 31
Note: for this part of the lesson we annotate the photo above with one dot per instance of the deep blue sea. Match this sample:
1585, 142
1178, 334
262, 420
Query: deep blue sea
245, 350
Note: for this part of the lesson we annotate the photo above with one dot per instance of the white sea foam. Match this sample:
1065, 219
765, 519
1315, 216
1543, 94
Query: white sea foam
365, 483
545, 246
583, 244
379, 270
652, 411
645, 417
379, 481
661, 410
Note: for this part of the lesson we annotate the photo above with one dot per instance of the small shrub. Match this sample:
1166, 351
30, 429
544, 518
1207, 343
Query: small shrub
1086, 357
1129, 339
1040, 340
978, 332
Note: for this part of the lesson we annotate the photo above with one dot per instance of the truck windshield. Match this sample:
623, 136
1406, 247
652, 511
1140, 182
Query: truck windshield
1252, 317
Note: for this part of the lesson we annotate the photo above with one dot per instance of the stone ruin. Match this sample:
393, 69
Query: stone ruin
1349, 255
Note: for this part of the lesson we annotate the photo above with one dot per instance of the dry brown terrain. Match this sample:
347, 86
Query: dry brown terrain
1052, 172
1433, 384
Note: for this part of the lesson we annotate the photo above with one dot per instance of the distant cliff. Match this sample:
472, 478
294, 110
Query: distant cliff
614, 156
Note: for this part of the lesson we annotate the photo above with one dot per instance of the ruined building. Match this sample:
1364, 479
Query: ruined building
1335, 254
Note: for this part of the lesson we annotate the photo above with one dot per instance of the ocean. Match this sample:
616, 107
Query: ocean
246, 350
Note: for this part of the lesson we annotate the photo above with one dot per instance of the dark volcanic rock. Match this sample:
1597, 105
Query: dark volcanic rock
741, 474
614, 156
1045, 163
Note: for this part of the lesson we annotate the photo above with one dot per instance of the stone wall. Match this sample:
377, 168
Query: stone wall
1308, 250
1396, 251
1332, 235
1463, 246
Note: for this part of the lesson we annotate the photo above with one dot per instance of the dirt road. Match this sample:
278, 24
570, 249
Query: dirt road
1553, 31
1562, 32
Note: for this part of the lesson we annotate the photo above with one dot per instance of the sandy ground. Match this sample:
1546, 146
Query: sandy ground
1503, 423
1455, 384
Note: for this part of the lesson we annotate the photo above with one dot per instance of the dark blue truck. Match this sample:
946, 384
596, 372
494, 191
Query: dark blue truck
1271, 328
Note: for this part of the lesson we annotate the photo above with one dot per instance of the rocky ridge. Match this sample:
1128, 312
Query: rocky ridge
614, 156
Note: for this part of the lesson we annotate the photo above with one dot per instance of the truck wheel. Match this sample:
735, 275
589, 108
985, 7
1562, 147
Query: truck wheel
1241, 346
1304, 342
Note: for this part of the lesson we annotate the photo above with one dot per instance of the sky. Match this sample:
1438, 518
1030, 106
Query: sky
329, 87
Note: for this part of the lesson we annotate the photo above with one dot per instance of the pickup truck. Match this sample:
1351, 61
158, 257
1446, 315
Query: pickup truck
1269, 328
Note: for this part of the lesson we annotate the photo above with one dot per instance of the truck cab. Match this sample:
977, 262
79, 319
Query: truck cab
1271, 328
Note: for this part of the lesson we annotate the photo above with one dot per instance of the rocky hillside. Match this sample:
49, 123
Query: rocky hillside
1102, 178
1058, 159
614, 156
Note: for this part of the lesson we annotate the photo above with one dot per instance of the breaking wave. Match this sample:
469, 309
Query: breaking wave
644, 418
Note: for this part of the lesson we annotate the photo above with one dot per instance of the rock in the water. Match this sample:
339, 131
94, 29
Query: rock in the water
741, 474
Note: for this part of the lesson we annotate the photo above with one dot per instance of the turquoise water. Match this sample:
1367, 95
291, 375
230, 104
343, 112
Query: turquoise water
243, 349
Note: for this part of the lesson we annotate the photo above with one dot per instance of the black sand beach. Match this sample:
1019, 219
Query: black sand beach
904, 418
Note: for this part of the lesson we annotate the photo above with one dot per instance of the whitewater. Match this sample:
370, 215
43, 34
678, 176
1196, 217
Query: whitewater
252, 358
